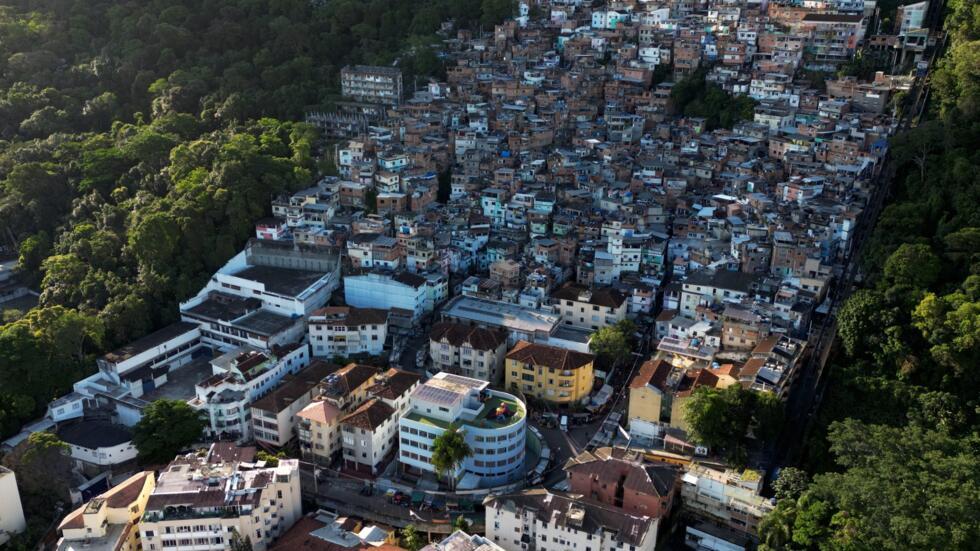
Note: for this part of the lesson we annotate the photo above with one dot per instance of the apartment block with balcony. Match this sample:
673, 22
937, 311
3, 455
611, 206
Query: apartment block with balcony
200, 501
241, 377
348, 331
370, 433
467, 350
548, 519
551, 374
371, 84
727, 497
274, 415
341, 394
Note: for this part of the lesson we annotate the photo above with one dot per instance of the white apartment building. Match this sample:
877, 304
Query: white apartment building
493, 423
239, 378
468, 350
11, 513
401, 290
201, 500
590, 309
346, 331
546, 520
705, 288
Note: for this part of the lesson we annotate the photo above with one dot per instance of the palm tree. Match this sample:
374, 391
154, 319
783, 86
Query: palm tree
449, 450
776, 528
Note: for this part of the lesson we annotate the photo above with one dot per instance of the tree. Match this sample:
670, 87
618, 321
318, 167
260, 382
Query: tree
460, 523
44, 478
449, 450
721, 419
411, 539
167, 427
791, 483
237, 543
914, 265
611, 345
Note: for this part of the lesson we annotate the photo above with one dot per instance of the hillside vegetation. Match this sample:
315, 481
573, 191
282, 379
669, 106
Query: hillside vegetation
140, 140
897, 460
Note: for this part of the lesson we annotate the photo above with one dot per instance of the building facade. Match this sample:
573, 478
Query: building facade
554, 375
493, 424
346, 331
467, 350
548, 520
200, 501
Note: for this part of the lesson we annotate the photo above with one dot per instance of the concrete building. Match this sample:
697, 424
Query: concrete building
492, 422
471, 351
110, 521
97, 445
320, 434
274, 415
402, 290
728, 497
705, 288
145, 361
239, 378
554, 375
369, 436
201, 500
370, 432
546, 519
590, 309
370, 84
521, 323
11, 513
346, 331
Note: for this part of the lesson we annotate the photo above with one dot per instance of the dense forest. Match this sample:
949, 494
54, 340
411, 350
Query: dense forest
140, 140
896, 457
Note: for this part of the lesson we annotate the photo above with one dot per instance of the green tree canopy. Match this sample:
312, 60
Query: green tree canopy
167, 427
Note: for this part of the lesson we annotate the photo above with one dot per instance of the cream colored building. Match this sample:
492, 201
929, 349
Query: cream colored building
274, 415
201, 500
587, 308
320, 424
11, 514
319, 432
548, 373
471, 351
648, 396
728, 497
109, 522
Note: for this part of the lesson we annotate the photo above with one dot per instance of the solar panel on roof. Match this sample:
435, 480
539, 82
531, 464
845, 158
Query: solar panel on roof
436, 395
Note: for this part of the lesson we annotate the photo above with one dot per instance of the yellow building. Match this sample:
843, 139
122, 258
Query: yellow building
648, 395
549, 373
111, 520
